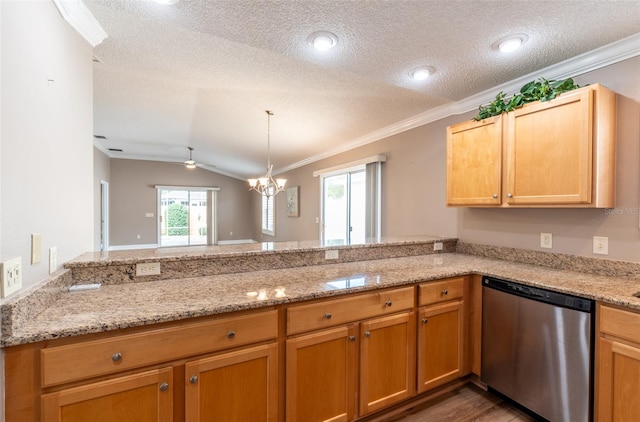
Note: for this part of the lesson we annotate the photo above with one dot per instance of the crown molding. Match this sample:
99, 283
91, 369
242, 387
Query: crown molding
82, 20
604, 56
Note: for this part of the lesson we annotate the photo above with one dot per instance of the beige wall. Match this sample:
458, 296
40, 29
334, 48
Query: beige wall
46, 142
132, 194
414, 189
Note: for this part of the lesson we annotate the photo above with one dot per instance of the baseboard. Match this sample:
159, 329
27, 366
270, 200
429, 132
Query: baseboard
235, 242
128, 247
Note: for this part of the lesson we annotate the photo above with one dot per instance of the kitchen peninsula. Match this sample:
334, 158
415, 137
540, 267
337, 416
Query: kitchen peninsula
272, 305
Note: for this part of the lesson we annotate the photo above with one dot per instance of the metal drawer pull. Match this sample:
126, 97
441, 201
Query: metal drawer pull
352, 338
231, 334
327, 315
495, 196
367, 333
193, 379
509, 195
425, 320
164, 386
116, 357
445, 292
388, 303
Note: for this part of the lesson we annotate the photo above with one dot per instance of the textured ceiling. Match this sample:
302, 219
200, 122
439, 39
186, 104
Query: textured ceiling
202, 73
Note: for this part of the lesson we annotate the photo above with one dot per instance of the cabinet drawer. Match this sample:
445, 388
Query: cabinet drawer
98, 357
340, 311
440, 291
619, 323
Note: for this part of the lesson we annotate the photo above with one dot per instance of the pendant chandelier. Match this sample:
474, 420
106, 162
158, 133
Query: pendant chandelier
266, 185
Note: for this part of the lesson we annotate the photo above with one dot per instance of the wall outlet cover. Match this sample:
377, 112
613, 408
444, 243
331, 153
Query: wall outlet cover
600, 245
331, 254
546, 240
53, 260
148, 268
11, 276
438, 246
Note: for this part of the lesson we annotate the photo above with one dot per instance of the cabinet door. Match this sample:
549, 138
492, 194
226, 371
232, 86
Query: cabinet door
321, 376
549, 151
440, 344
618, 392
237, 386
147, 396
474, 162
387, 361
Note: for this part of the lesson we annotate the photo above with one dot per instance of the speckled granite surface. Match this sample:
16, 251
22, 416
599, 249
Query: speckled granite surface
134, 304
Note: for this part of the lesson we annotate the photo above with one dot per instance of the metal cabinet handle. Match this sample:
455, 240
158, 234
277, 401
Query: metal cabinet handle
509, 195
193, 379
352, 338
495, 196
445, 292
164, 386
327, 315
116, 357
425, 320
231, 334
388, 303
367, 333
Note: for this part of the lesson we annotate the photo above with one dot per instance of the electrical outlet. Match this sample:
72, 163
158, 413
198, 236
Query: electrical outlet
148, 268
546, 240
438, 246
331, 254
11, 276
53, 260
36, 248
600, 245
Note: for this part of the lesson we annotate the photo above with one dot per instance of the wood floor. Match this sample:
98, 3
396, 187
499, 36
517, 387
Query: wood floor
466, 404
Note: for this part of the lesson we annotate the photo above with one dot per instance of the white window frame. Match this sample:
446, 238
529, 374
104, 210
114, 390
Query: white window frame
350, 167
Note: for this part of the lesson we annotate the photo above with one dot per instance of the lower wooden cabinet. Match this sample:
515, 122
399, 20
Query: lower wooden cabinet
321, 375
325, 368
387, 361
236, 386
147, 396
618, 366
440, 344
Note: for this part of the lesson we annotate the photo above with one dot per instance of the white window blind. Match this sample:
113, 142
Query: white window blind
268, 214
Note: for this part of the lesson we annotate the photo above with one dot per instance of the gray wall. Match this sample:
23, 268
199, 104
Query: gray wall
414, 189
132, 194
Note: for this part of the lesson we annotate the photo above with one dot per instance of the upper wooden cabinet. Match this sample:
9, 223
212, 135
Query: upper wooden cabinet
559, 153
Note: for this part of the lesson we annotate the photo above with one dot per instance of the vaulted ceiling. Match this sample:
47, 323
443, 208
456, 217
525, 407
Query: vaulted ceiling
202, 73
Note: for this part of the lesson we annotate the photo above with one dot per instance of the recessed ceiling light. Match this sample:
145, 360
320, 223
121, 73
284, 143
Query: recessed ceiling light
421, 73
322, 40
511, 43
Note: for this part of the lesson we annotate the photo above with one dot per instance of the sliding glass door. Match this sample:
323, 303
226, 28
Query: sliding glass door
344, 208
183, 217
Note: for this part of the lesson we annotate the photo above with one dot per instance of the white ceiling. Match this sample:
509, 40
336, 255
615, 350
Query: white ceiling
202, 73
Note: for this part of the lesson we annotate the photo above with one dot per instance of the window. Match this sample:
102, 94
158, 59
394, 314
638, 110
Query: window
351, 202
186, 216
268, 214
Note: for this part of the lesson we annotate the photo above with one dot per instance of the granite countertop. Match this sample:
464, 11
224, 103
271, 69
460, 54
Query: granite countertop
119, 306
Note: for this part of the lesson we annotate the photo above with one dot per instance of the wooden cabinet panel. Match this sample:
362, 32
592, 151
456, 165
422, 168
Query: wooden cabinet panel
91, 358
321, 376
440, 291
387, 361
335, 312
474, 162
549, 151
237, 386
440, 344
147, 396
618, 366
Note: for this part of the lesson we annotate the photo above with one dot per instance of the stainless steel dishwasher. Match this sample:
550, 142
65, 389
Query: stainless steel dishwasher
537, 349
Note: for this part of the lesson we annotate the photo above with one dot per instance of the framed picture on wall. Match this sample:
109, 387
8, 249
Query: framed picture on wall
292, 202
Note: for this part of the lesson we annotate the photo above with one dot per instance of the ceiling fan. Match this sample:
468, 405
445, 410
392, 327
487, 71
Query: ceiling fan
190, 163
